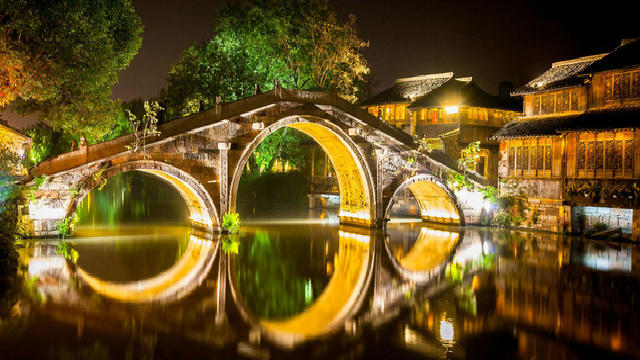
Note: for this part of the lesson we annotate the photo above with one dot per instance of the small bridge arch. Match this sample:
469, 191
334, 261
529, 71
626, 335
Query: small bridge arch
436, 201
202, 211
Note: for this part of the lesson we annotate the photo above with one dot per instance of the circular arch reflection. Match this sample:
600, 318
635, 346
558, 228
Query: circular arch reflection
170, 285
341, 298
421, 257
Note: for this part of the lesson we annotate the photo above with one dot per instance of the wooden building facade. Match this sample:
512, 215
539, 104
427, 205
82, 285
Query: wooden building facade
450, 112
16, 142
576, 151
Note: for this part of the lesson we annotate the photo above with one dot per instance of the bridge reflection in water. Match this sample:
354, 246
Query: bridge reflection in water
172, 284
341, 298
321, 282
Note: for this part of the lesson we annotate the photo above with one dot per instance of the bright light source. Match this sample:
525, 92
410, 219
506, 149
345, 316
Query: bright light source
446, 330
451, 110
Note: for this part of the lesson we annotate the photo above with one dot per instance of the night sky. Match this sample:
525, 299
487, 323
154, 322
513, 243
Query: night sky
491, 41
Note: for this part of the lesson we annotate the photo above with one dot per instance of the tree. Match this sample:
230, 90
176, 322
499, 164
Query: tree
299, 42
282, 145
47, 142
61, 57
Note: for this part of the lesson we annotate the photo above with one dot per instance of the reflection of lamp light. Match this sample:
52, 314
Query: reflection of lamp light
450, 110
446, 330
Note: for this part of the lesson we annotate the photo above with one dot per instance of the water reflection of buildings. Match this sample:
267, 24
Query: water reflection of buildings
562, 296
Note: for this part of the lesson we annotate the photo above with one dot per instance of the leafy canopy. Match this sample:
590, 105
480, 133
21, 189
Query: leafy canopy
299, 42
61, 57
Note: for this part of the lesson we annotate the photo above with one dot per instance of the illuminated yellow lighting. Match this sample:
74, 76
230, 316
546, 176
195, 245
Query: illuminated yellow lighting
451, 110
328, 312
431, 249
176, 281
355, 204
198, 213
435, 204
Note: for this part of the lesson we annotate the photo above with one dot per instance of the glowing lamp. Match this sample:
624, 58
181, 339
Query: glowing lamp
451, 110
446, 330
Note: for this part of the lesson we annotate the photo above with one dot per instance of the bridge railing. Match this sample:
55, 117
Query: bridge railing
100, 151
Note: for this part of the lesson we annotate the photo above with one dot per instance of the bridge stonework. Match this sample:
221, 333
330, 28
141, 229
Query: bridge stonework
203, 156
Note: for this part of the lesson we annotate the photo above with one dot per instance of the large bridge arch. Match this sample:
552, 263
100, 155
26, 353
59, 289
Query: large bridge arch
355, 180
202, 211
437, 202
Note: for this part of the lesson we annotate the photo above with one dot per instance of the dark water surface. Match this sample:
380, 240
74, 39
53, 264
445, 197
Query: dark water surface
299, 288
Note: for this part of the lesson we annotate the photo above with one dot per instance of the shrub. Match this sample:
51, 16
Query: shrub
598, 227
231, 222
65, 227
502, 220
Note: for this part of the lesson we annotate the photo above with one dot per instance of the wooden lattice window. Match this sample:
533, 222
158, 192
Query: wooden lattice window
609, 155
624, 85
512, 158
618, 154
607, 152
582, 146
547, 157
628, 155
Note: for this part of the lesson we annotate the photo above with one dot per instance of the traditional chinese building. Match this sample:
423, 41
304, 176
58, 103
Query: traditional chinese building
450, 112
576, 151
14, 141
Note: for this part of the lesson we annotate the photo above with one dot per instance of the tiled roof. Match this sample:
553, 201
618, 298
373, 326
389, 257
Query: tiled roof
406, 89
592, 120
562, 74
625, 55
465, 92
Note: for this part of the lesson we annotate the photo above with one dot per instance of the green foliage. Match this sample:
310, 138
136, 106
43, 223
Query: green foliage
66, 249
299, 42
511, 211
47, 142
426, 144
61, 58
231, 223
230, 244
459, 181
263, 191
144, 127
282, 145
65, 226
468, 156
99, 179
490, 193
535, 216
598, 227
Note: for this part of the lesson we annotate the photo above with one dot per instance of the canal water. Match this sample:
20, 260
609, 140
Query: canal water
144, 285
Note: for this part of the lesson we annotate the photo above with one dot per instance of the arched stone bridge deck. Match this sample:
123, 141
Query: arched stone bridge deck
203, 156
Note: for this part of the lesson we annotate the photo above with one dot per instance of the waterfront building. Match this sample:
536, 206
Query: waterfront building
576, 150
450, 112
16, 142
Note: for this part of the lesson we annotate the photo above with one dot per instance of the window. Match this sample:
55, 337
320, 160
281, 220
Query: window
604, 152
481, 164
555, 102
530, 157
625, 85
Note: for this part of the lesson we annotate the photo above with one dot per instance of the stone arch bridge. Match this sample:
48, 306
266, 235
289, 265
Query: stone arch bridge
203, 157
